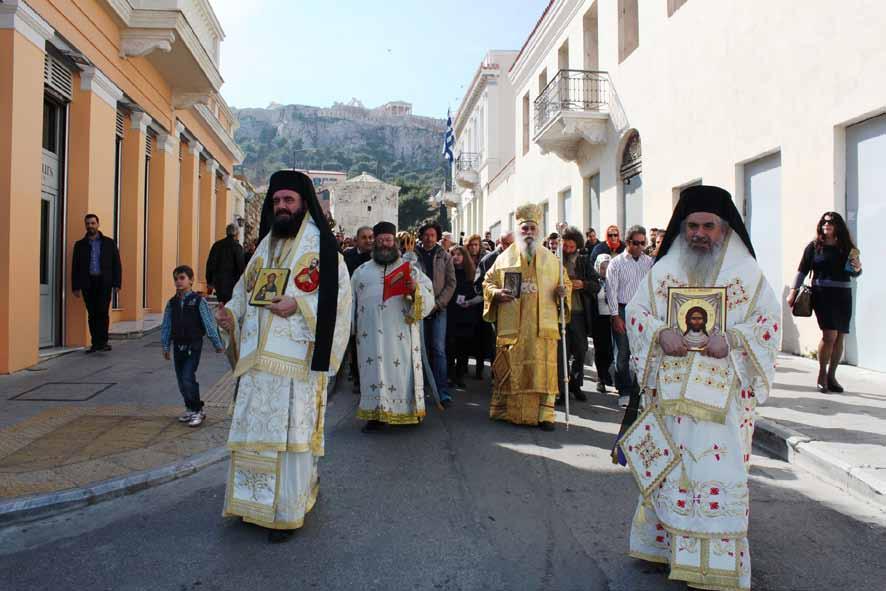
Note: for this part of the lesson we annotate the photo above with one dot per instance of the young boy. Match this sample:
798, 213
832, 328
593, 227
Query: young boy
186, 319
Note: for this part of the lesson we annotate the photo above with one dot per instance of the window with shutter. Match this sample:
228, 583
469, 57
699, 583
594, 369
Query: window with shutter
57, 77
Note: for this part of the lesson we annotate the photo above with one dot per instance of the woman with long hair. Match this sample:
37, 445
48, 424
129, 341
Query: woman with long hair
833, 260
464, 314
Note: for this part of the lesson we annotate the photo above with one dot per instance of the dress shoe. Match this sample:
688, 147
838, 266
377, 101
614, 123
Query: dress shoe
90, 350
278, 536
601, 387
580, 396
547, 426
105, 348
560, 401
834, 386
821, 388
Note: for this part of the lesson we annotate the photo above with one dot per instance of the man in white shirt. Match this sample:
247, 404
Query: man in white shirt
623, 278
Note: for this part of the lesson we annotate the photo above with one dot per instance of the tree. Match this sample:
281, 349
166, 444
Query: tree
412, 210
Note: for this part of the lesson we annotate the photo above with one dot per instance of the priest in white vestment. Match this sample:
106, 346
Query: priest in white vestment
387, 333
285, 353
696, 520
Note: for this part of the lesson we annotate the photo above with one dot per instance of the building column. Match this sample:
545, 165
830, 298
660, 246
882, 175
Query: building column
132, 217
92, 145
224, 205
207, 219
162, 219
23, 36
189, 202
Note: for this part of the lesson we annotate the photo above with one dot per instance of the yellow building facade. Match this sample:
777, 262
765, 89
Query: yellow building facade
109, 107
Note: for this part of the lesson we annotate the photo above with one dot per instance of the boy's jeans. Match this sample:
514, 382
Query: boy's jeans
186, 358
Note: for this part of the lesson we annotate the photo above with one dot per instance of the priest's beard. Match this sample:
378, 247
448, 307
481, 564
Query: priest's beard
526, 245
700, 265
287, 225
384, 255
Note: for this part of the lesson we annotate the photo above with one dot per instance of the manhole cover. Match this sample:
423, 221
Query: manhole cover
64, 392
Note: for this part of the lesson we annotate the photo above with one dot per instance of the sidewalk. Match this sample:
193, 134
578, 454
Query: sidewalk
78, 420
841, 437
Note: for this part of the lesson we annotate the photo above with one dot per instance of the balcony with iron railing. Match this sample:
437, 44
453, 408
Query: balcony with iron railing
572, 108
467, 170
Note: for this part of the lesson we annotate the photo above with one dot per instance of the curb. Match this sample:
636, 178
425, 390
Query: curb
796, 448
44, 505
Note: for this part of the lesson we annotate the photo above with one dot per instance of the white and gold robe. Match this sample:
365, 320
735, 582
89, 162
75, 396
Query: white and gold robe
276, 435
697, 519
389, 345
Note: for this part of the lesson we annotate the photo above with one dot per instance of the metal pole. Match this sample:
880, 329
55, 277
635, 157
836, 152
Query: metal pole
560, 228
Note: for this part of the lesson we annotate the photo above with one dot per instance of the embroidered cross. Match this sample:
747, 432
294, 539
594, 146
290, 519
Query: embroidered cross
392, 388
382, 306
401, 336
361, 285
369, 360
396, 363
374, 387
365, 334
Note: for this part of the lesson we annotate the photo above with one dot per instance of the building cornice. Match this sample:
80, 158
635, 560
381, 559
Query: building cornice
93, 80
484, 75
220, 132
15, 14
140, 121
541, 41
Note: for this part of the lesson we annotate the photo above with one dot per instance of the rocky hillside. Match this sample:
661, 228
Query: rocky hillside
384, 142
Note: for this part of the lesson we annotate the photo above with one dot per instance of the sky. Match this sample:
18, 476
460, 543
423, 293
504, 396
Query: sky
316, 52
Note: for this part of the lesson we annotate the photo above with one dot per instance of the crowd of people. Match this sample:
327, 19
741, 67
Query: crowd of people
683, 323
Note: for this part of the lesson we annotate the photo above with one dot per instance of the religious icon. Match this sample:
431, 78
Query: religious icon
513, 282
308, 279
252, 273
698, 313
269, 284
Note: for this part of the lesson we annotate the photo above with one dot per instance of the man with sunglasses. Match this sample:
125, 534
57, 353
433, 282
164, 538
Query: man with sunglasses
626, 272
612, 246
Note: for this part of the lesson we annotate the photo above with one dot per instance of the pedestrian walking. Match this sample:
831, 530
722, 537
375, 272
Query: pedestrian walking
590, 241
578, 328
225, 264
612, 246
96, 273
834, 261
437, 265
464, 318
186, 320
623, 278
601, 323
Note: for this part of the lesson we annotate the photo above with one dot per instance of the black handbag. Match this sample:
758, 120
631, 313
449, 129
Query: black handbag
803, 303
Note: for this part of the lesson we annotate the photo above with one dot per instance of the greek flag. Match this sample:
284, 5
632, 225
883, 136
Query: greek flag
448, 139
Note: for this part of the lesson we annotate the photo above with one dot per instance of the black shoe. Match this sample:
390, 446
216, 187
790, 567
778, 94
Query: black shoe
834, 386
547, 426
90, 350
561, 401
446, 402
371, 426
821, 388
601, 387
580, 396
278, 536
460, 384
105, 348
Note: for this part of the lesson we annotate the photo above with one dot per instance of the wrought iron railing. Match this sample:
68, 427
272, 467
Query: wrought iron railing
467, 161
572, 90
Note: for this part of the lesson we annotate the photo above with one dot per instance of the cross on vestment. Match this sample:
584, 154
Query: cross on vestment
392, 388
396, 363
401, 336
369, 360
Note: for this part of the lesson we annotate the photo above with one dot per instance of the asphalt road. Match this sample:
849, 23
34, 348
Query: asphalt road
458, 502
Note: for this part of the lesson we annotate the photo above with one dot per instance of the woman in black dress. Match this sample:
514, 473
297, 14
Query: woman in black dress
834, 261
464, 316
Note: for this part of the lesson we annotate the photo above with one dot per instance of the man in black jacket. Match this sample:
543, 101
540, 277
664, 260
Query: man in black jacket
579, 327
361, 251
95, 273
225, 265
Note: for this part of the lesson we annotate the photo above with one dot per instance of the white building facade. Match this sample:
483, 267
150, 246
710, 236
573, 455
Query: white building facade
620, 104
484, 147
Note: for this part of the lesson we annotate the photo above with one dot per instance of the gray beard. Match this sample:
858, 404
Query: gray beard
385, 256
527, 249
699, 265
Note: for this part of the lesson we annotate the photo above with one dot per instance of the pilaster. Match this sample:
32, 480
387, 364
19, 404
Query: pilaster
207, 217
132, 217
163, 188
22, 45
189, 201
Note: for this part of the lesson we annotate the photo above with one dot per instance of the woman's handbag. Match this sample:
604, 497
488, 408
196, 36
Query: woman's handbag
803, 302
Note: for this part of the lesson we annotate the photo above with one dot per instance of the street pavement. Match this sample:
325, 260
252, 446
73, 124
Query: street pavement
458, 502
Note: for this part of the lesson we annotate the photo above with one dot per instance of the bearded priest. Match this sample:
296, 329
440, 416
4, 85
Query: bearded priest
284, 351
388, 307
704, 389
521, 295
